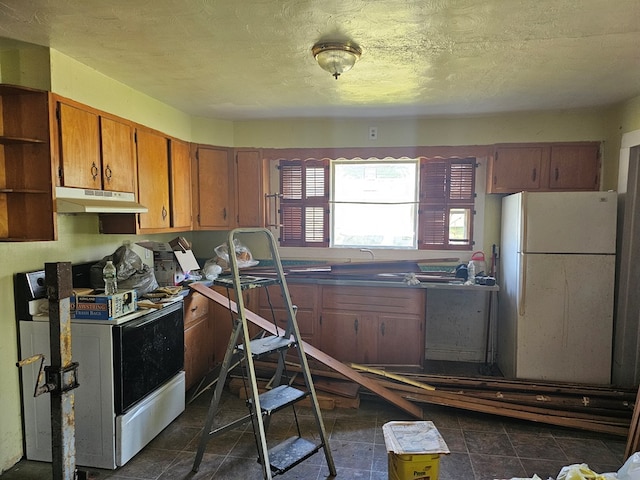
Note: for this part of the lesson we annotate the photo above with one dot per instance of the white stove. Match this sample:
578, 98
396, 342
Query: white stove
130, 375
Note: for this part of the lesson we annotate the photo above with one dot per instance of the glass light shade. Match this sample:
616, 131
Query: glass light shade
336, 58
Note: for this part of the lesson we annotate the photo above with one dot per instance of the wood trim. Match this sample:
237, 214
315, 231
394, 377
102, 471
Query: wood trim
463, 151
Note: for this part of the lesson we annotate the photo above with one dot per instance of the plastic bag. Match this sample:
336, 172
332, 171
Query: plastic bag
631, 468
243, 255
211, 269
581, 471
132, 272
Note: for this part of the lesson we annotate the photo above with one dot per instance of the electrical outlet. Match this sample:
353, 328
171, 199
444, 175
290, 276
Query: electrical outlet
373, 133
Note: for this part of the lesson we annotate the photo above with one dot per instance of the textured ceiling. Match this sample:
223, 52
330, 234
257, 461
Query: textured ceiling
242, 59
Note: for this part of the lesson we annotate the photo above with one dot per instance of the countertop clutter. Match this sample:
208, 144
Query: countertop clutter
396, 273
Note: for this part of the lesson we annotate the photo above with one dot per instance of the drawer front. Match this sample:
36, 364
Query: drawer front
195, 307
376, 299
303, 296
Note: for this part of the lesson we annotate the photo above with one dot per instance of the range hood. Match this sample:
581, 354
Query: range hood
82, 200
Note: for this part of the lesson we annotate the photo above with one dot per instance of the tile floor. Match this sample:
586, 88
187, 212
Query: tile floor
483, 447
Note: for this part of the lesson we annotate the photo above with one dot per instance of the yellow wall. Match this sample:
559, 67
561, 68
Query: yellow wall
79, 239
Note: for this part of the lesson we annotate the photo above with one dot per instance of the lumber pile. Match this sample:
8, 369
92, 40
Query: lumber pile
595, 408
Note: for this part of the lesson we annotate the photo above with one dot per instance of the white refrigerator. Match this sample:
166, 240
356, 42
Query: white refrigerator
557, 269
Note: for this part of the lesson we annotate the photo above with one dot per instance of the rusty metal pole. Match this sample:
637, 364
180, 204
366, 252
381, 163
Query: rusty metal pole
61, 371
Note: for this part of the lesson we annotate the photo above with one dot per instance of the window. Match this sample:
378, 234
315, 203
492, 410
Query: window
374, 203
392, 203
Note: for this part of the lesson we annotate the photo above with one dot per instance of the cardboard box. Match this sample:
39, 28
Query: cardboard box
414, 450
104, 307
172, 261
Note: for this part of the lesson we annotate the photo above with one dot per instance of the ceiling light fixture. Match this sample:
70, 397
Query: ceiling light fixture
335, 57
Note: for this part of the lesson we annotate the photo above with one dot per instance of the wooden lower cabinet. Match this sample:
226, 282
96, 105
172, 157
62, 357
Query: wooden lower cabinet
373, 325
198, 338
352, 324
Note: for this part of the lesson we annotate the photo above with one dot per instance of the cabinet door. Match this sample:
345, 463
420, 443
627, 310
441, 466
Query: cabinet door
400, 340
197, 350
79, 133
514, 169
153, 179
304, 297
180, 185
118, 156
213, 180
349, 336
198, 341
251, 186
304, 317
574, 167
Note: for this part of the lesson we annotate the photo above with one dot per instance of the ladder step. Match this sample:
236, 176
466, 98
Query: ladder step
279, 397
269, 344
291, 452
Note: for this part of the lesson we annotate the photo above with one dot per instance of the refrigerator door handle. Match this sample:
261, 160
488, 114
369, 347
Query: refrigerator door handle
522, 283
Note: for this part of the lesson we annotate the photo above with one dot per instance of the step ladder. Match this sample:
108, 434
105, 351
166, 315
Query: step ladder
242, 350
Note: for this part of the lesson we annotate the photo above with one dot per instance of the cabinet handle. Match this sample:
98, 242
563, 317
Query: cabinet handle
108, 173
164, 213
193, 309
94, 170
534, 174
382, 328
224, 213
355, 325
320, 319
557, 174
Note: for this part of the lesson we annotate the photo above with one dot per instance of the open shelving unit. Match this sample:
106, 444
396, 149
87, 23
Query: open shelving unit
27, 210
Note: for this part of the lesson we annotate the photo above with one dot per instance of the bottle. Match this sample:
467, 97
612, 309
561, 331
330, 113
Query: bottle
476, 268
109, 277
471, 274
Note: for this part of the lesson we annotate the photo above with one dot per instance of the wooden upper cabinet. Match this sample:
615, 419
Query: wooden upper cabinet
180, 162
515, 169
252, 176
153, 179
212, 179
96, 150
544, 167
575, 167
79, 137
118, 155
26, 175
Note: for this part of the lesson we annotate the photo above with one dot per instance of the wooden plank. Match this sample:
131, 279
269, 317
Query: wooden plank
512, 384
504, 410
595, 423
375, 387
634, 430
392, 376
337, 387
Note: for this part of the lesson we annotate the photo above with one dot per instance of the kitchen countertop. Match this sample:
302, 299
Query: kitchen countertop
309, 279
394, 284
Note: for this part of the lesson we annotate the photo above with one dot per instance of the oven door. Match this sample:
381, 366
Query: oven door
148, 351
